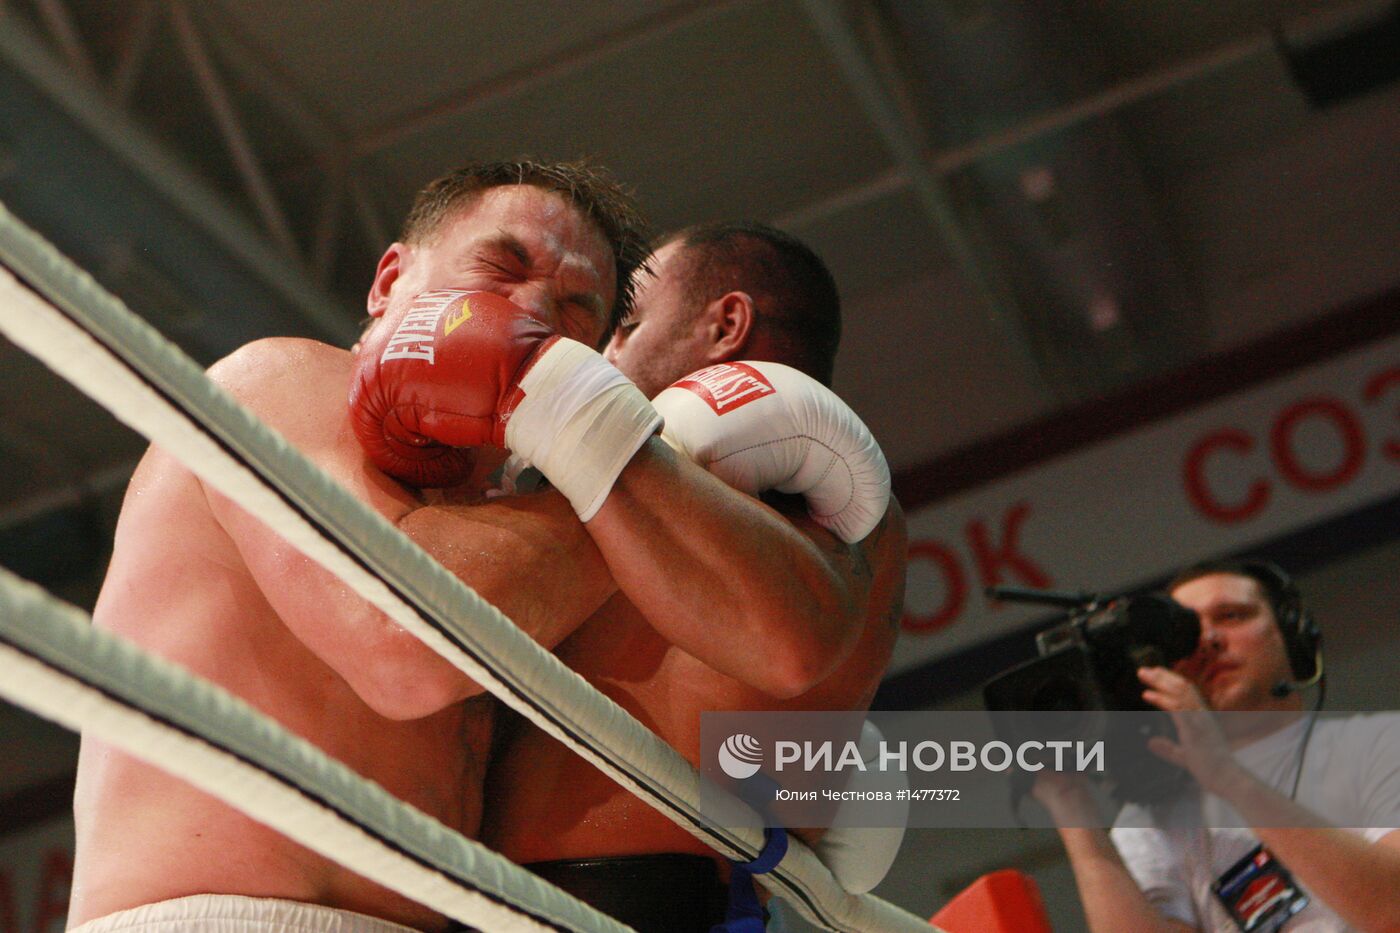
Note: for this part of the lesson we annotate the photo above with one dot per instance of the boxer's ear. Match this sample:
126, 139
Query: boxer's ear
391, 266
732, 318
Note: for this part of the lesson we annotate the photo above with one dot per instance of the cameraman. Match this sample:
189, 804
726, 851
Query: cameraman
1258, 648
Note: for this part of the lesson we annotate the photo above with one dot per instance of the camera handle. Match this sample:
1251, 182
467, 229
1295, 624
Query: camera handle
1061, 598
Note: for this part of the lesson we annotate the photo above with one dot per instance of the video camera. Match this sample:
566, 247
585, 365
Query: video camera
1087, 668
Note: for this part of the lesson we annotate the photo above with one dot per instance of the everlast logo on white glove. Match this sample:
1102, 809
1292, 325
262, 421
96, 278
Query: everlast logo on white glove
800, 439
413, 338
727, 386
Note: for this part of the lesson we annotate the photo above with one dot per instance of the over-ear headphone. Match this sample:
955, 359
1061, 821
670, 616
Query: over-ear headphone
1302, 637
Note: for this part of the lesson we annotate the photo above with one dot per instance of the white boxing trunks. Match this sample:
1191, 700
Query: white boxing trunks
231, 913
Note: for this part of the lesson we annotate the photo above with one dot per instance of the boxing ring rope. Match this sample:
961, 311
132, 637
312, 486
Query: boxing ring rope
61, 667
88, 337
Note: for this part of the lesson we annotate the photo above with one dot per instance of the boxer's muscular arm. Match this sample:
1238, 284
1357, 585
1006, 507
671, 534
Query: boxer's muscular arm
727, 578
507, 549
777, 604
715, 572
874, 571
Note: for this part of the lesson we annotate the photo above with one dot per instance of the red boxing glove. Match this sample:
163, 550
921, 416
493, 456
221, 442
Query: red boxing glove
440, 376
470, 369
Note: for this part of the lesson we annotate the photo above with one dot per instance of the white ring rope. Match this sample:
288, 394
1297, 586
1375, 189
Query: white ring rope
61, 667
88, 337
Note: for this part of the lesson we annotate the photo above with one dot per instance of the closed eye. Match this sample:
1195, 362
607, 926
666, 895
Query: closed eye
590, 304
507, 265
582, 321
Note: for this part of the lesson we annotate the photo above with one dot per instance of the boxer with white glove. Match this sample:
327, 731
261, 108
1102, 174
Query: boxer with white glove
458, 369
860, 856
723, 601
762, 425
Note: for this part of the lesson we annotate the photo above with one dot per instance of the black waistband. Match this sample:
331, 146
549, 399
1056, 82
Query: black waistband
667, 893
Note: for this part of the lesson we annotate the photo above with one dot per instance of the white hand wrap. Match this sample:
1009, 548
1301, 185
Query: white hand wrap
579, 423
759, 426
860, 856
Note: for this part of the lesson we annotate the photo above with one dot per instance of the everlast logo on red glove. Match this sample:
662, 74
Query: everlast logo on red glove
440, 373
413, 338
727, 386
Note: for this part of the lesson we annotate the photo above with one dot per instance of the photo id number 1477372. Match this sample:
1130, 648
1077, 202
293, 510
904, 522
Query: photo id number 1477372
930, 793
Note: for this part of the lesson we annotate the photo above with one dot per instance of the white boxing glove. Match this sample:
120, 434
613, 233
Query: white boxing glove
760, 426
579, 422
859, 857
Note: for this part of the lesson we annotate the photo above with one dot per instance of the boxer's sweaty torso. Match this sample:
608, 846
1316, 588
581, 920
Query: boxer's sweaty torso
546, 803
179, 586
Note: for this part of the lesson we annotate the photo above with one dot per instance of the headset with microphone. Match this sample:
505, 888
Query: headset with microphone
1302, 637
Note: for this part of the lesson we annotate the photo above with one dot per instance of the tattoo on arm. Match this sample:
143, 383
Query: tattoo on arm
855, 556
858, 557
860, 563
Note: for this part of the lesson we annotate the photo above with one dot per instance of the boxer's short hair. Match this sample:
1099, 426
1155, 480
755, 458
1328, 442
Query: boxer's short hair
799, 307
587, 187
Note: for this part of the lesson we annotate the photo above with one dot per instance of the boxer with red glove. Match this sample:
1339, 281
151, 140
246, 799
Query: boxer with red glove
457, 369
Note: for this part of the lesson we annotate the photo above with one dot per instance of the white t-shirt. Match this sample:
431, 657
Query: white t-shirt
1351, 778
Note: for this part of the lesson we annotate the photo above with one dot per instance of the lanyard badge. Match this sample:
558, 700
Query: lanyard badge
1259, 893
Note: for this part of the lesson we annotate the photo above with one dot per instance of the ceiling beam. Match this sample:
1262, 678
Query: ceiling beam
60, 26
1090, 107
93, 110
264, 75
904, 144
890, 181
226, 118
371, 221
326, 232
556, 66
100, 482
342, 175
140, 33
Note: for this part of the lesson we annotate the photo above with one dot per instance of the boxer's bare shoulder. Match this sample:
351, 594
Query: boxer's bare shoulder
277, 360
294, 385
504, 548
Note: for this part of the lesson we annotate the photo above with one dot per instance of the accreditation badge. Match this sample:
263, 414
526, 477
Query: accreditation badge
1259, 893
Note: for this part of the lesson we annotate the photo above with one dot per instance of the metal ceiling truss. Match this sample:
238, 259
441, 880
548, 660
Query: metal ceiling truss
944, 162
340, 157
342, 161
896, 125
208, 53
